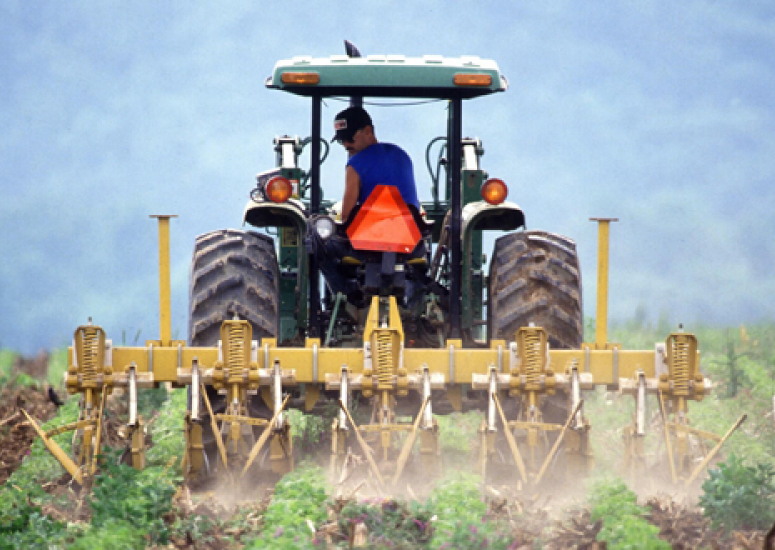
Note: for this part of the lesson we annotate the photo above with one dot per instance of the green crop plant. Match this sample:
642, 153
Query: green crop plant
458, 510
389, 523
167, 430
458, 431
127, 506
195, 527
117, 535
737, 496
308, 430
29, 528
124, 497
19, 380
40, 465
299, 498
624, 525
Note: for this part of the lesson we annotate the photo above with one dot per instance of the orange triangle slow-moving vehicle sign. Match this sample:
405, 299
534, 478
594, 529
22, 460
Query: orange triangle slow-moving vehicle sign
384, 223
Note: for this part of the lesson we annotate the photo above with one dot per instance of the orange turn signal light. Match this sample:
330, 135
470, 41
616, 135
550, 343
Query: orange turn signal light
462, 79
494, 191
278, 189
300, 79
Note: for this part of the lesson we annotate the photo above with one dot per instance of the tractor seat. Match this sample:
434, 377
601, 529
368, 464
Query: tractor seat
420, 262
349, 260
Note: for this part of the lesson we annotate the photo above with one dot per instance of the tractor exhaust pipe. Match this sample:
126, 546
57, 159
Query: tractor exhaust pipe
353, 51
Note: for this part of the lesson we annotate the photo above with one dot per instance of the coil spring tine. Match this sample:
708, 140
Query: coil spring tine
91, 342
384, 358
236, 350
532, 357
681, 366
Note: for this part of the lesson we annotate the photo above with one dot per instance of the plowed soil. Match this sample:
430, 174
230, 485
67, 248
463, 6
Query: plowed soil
16, 434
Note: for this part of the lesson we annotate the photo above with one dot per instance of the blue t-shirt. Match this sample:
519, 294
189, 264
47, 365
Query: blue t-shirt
385, 164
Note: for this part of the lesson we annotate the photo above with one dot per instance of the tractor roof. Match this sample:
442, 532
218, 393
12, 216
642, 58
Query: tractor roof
430, 76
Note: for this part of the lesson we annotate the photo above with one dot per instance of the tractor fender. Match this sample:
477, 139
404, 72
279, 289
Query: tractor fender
272, 214
480, 215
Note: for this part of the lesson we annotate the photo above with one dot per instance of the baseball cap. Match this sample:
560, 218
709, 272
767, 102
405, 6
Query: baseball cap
349, 121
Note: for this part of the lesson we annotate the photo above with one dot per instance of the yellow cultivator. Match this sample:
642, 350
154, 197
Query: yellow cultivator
518, 378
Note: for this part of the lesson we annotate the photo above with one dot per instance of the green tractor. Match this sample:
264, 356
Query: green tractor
275, 284
533, 275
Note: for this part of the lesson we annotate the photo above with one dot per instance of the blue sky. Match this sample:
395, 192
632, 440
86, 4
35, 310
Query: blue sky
658, 113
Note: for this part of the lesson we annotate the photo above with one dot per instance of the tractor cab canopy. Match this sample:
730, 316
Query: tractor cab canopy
430, 76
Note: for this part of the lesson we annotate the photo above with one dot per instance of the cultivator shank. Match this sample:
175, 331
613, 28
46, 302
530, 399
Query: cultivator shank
236, 374
384, 379
677, 380
530, 382
90, 374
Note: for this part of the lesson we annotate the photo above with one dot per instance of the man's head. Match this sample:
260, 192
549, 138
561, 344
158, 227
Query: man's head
354, 129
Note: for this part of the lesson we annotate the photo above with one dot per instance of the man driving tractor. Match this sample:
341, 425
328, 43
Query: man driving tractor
371, 163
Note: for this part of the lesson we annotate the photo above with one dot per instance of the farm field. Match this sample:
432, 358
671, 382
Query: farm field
733, 508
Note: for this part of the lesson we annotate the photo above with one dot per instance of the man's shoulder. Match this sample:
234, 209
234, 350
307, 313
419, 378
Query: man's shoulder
395, 153
377, 151
393, 148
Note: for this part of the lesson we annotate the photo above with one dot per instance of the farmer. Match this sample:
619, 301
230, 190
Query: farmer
370, 163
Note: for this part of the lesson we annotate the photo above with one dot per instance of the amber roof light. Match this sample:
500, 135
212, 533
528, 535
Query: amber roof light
301, 79
462, 79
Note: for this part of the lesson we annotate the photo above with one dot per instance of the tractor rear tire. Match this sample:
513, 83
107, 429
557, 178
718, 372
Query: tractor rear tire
535, 278
234, 274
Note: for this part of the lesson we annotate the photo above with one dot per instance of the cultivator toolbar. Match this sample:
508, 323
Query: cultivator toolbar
531, 395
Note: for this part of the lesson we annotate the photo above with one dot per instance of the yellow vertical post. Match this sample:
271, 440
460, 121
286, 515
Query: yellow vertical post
165, 319
601, 322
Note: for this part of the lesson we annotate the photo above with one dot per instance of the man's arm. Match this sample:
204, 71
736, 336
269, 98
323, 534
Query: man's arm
352, 187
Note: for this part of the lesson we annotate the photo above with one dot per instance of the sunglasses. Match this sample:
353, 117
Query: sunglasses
350, 137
